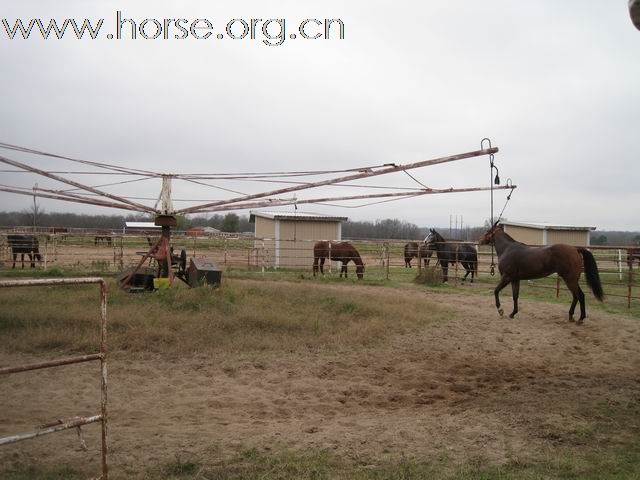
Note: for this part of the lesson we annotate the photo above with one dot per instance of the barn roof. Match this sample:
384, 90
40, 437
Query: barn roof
145, 225
545, 225
295, 216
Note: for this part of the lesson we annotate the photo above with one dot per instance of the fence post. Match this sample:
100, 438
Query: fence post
121, 253
388, 253
225, 251
46, 251
557, 286
330, 265
630, 283
263, 255
419, 259
455, 269
620, 264
194, 245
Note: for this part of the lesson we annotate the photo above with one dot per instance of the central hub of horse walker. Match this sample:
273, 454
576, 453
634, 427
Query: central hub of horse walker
170, 265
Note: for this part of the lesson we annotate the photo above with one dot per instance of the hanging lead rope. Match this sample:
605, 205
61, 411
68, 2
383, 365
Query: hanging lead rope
509, 184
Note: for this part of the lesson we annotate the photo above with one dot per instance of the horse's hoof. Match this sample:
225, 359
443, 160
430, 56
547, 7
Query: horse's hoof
500, 312
571, 319
512, 316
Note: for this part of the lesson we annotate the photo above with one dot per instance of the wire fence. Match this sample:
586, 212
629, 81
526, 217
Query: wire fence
103, 252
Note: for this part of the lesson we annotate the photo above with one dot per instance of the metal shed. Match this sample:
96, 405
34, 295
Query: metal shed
147, 228
543, 233
288, 237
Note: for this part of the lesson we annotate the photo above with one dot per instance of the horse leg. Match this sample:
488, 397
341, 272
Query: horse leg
322, 265
468, 271
496, 292
22, 258
32, 259
578, 296
445, 272
343, 270
15, 256
315, 266
515, 289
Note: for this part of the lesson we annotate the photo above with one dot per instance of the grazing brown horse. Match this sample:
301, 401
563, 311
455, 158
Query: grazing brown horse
517, 261
413, 250
339, 251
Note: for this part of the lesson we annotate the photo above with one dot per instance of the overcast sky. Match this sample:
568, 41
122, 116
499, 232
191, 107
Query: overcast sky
555, 85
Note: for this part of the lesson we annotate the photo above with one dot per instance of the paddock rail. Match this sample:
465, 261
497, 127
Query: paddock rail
73, 422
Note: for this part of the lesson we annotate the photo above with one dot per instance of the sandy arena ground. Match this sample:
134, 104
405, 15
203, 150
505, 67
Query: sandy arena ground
477, 386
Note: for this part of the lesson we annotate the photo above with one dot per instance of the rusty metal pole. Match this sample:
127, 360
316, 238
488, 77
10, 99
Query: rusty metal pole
103, 374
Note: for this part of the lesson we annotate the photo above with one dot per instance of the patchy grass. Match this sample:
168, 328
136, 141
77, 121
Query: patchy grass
242, 316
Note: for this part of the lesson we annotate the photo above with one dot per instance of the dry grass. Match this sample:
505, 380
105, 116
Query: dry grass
242, 316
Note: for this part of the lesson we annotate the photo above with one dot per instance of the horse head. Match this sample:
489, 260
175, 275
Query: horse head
487, 237
360, 271
433, 237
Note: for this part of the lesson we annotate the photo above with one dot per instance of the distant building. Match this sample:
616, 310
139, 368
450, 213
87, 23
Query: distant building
289, 236
201, 231
147, 228
542, 233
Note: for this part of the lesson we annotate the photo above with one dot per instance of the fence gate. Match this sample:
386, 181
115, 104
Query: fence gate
74, 422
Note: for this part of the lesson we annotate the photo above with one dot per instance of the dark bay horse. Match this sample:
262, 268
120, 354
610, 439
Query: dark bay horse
24, 244
450, 252
339, 251
414, 250
517, 261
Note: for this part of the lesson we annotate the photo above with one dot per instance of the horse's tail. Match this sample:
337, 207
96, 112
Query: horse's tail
591, 272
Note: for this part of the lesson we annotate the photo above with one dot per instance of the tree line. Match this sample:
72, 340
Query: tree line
389, 228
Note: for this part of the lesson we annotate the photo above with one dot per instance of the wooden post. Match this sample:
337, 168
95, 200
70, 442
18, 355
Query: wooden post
329, 257
194, 245
629, 284
121, 253
263, 255
225, 251
455, 269
620, 264
386, 247
46, 251
557, 286
419, 258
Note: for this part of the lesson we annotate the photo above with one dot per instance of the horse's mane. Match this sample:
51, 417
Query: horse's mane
510, 238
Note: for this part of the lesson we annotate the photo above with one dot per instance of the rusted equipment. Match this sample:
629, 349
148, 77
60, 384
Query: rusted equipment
75, 422
203, 272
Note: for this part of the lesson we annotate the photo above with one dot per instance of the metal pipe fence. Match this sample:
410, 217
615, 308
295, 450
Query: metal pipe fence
86, 251
77, 421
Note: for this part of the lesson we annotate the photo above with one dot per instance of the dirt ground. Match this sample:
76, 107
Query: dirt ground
475, 386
